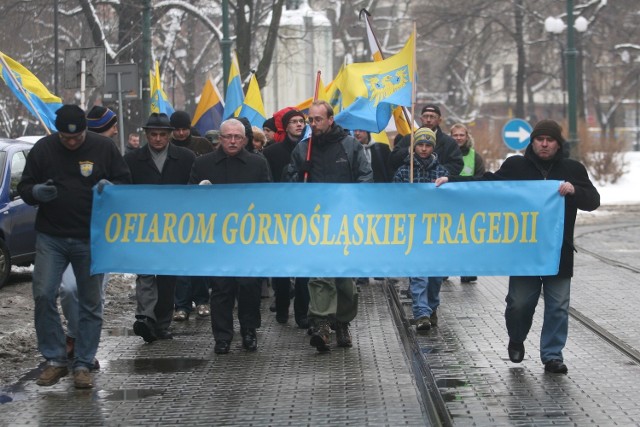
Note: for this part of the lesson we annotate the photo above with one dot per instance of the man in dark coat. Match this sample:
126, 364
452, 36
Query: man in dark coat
449, 155
158, 162
231, 164
377, 153
181, 135
59, 177
278, 155
543, 159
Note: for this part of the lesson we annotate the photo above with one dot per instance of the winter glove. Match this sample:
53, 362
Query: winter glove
101, 184
45, 192
304, 169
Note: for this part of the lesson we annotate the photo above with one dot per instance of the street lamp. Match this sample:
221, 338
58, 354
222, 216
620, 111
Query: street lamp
556, 26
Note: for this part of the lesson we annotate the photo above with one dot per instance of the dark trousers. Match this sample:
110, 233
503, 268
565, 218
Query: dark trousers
224, 291
281, 288
189, 290
155, 299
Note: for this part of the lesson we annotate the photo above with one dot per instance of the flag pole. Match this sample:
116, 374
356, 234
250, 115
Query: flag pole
21, 89
315, 98
367, 16
413, 103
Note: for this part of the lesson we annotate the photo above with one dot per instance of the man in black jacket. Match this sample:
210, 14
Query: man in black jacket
158, 162
336, 157
449, 155
59, 177
543, 159
231, 164
278, 155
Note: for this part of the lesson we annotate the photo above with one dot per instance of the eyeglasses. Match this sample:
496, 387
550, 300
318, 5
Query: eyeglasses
296, 121
232, 137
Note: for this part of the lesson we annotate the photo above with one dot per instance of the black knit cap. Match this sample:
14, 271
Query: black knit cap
248, 132
101, 119
547, 128
158, 121
70, 119
432, 108
290, 115
181, 120
270, 124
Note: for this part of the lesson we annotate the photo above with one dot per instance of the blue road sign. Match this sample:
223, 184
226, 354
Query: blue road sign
515, 134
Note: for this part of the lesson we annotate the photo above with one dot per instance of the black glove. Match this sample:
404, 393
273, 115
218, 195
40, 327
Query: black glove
101, 184
45, 192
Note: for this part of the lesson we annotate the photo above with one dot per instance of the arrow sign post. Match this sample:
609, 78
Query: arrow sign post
515, 134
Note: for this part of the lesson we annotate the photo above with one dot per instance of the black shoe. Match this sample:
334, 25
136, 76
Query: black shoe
556, 366
282, 318
516, 351
221, 347
249, 340
468, 279
164, 335
272, 307
142, 329
302, 322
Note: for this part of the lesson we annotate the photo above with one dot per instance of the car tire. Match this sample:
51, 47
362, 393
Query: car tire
5, 263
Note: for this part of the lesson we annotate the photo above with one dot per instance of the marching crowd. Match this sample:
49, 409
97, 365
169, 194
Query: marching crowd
63, 169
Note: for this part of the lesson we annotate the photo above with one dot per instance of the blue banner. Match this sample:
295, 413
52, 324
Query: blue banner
329, 230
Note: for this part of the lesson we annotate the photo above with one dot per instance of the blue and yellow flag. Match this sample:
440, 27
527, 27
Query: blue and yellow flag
369, 91
253, 108
159, 100
208, 114
30, 91
234, 97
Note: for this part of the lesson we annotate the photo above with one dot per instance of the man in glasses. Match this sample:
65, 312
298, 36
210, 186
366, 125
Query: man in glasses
232, 164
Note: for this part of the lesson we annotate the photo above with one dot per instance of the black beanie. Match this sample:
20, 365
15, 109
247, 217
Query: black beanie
248, 132
100, 119
270, 124
290, 115
70, 119
548, 128
181, 120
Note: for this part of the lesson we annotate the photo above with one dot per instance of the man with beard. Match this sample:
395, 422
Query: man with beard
335, 157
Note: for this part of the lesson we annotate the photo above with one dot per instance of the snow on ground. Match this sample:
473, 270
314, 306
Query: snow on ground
627, 189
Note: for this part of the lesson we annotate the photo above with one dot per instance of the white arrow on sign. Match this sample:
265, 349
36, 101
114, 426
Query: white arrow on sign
522, 134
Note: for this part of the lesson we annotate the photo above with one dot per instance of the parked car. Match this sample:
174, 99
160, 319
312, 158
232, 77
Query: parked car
17, 233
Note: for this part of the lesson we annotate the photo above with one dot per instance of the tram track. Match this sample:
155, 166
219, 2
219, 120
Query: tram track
585, 320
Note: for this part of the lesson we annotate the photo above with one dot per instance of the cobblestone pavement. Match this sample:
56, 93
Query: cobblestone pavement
467, 355
286, 382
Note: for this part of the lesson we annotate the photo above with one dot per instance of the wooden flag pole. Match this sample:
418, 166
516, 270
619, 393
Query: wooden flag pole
413, 104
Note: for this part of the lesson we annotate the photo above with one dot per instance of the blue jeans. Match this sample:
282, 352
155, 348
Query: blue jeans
522, 299
190, 290
425, 293
69, 299
53, 254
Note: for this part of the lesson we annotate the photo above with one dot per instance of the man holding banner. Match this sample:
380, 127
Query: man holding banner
231, 164
337, 157
59, 177
544, 160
